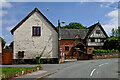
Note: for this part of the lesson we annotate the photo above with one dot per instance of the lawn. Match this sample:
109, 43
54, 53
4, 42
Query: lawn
9, 70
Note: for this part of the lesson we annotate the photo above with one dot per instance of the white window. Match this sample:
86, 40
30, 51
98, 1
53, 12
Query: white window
95, 40
98, 40
97, 31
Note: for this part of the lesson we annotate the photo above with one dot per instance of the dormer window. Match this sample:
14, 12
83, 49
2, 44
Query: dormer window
77, 38
97, 31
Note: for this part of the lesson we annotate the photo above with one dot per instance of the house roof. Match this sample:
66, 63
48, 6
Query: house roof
93, 26
71, 33
35, 10
83, 33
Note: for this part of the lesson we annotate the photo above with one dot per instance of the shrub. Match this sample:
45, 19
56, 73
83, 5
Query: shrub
100, 52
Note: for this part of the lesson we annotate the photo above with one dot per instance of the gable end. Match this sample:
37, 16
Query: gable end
35, 10
91, 28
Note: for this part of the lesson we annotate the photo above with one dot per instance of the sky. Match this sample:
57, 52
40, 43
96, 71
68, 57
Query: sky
86, 13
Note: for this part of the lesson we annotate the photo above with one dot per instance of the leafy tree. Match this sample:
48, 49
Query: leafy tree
113, 32
7, 47
112, 43
116, 32
11, 45
3, 42
119, 38
73, 26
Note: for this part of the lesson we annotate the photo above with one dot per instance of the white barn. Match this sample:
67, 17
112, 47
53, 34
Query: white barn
35, 36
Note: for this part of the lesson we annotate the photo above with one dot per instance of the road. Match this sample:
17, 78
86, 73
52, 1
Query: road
102, 68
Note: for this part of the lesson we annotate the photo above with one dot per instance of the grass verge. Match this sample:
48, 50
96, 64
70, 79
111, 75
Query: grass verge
9, 70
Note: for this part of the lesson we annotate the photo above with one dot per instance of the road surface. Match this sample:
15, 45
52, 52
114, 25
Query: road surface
102, 68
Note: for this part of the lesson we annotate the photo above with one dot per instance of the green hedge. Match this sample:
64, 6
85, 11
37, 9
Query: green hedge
96, 51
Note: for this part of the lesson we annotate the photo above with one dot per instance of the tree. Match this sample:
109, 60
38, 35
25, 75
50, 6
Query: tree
7, 47
11, 45
116, 32
112, 43
119, 38
113, 32
73, 26
3, 42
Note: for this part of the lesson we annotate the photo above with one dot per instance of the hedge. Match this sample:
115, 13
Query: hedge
96, 51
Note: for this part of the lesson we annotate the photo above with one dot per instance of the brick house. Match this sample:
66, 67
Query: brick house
83, 41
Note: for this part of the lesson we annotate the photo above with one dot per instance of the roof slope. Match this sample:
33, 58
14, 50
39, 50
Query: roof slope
71, 33
83, 33
35, 10
93, 26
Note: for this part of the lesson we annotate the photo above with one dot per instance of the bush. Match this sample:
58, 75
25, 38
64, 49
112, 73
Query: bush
99, 52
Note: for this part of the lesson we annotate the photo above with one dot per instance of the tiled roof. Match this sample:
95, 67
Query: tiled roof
83, 33
71, 33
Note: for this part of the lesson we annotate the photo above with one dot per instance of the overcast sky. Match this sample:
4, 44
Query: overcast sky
86, 13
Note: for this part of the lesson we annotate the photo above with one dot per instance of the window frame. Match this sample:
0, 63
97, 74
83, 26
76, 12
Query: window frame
67, 49
36, 31
92, 39
98, 32
101, 40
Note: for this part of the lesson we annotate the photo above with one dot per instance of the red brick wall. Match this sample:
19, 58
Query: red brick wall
69, 43
90, 49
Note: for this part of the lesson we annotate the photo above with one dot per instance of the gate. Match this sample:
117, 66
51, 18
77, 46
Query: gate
7, 57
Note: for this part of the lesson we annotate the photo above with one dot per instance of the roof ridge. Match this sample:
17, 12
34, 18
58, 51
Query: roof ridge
95, 24
73, 29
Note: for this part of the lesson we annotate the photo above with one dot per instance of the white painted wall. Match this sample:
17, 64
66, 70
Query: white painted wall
101, 35
97, 36
34, 45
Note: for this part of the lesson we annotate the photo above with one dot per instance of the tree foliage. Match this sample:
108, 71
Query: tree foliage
112, 43
11, 45
3, 42
73, 26
115, 32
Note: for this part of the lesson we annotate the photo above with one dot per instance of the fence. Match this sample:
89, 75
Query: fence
7, 56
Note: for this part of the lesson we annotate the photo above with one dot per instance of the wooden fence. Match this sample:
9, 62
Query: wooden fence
7, 56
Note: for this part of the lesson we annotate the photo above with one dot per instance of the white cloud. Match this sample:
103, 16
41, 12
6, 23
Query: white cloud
2, 13
11, 21
112, 23
9, 28
6, 4
107, 5
101, 5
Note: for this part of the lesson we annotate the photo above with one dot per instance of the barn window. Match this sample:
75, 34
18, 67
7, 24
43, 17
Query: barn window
97, 31
66, 48
36, 31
